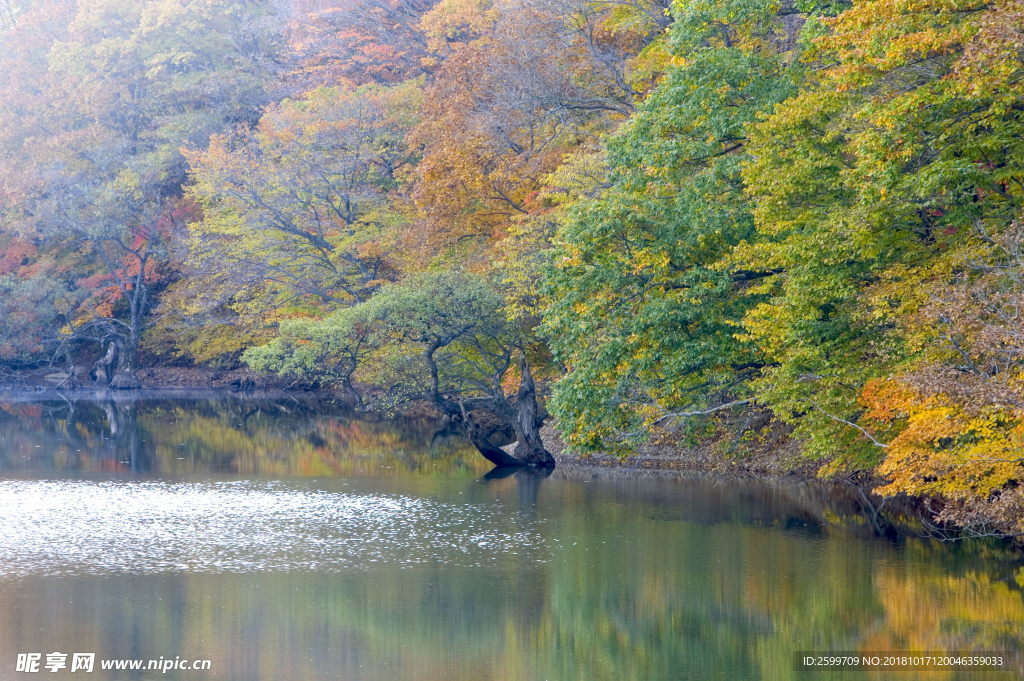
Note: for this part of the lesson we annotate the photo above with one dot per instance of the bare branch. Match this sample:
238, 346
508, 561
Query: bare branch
875, 441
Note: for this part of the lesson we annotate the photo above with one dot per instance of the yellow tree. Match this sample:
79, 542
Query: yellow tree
296, 213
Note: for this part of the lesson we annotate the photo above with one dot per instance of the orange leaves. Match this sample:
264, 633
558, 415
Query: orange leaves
943, 449
887, 400
958, 411
520, 84
353, 42
96, 280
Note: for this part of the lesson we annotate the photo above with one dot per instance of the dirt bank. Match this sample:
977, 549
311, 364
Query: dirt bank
771, 453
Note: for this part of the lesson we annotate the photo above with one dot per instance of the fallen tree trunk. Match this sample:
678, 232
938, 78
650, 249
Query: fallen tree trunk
521, 417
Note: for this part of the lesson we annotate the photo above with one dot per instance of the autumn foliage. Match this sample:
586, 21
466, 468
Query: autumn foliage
680, 213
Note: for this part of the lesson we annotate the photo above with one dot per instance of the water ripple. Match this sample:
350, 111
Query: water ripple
70, 527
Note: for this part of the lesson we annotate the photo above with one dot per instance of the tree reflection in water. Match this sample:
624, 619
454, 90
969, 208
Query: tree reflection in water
628, 576
115, 432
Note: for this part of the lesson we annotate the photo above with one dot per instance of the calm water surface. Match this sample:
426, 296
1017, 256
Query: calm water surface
285, 541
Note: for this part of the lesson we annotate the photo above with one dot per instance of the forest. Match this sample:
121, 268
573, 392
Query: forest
642, 220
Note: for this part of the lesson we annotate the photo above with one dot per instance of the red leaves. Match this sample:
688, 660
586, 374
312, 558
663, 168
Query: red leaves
15, 255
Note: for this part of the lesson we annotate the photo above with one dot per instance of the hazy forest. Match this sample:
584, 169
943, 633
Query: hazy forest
696, 221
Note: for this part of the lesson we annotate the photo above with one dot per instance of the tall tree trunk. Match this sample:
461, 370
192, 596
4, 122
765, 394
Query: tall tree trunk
104, 368
524, 417
530, 449
350, 391
116, 368
124, 375
125, 378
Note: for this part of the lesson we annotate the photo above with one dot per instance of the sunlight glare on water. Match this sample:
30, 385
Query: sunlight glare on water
74, 527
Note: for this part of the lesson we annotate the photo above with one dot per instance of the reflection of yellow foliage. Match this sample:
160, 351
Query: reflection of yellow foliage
944, 613
317, 447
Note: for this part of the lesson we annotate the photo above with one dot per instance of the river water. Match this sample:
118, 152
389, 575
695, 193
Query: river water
286, 541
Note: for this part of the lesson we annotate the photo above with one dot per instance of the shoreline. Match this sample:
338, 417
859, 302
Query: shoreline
890, 516
772, 455
777, 457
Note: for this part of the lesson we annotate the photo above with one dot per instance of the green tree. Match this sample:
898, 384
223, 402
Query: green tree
441, 337
642, 307
873, 187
